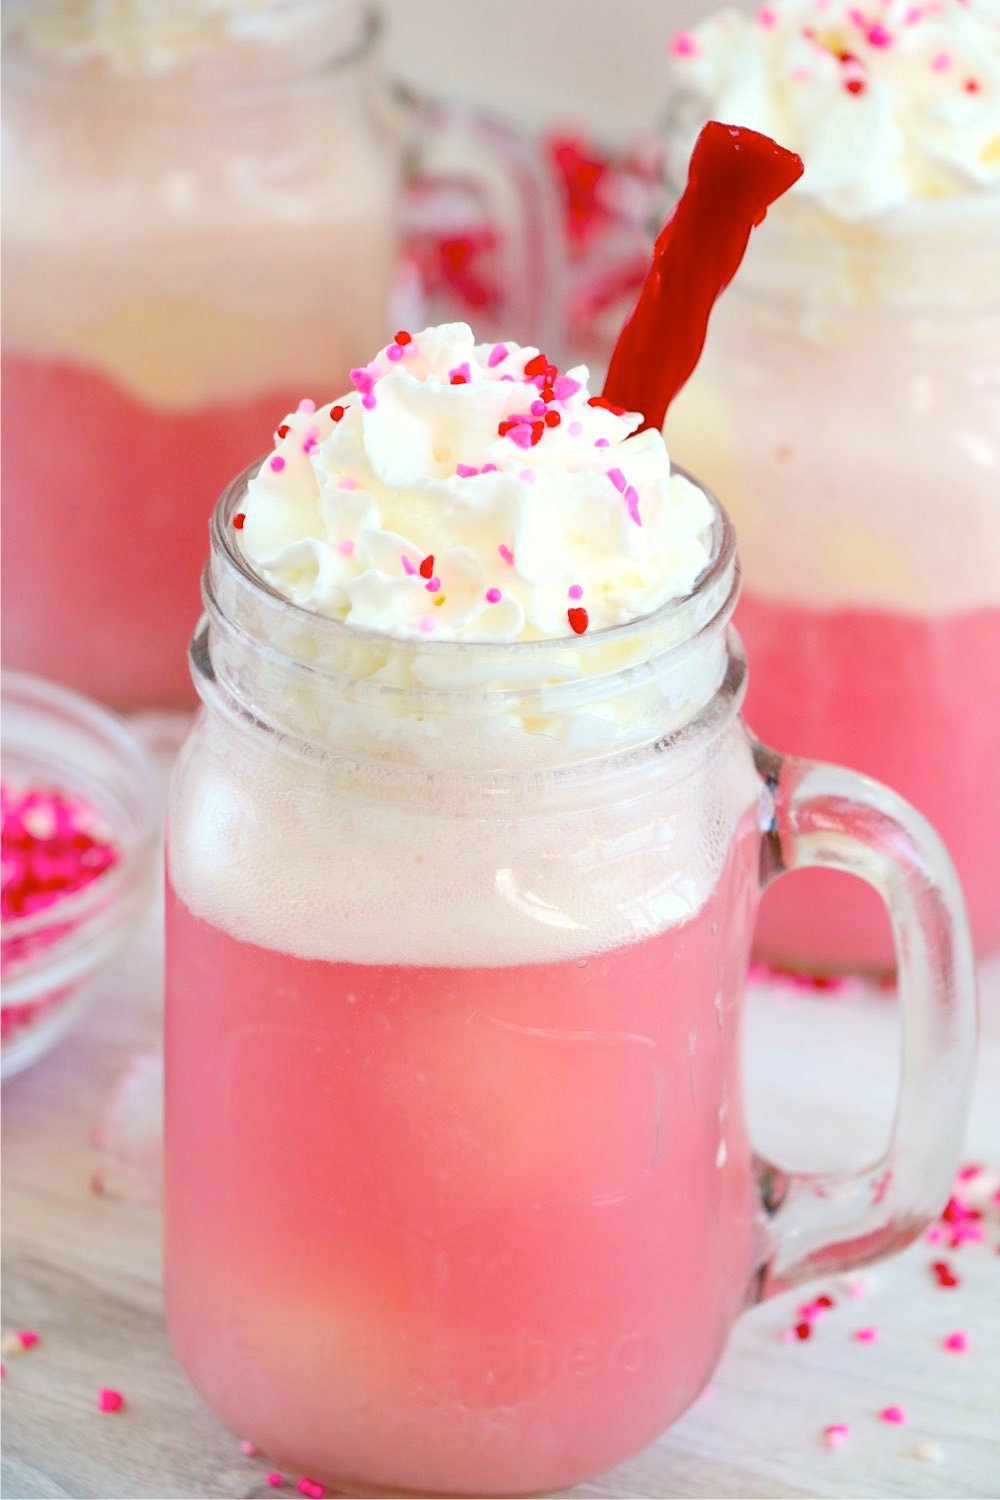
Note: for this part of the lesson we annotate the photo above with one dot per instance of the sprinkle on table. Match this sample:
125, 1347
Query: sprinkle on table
109, 1400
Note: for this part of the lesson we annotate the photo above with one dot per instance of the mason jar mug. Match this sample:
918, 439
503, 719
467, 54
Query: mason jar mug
460, 1196
848, 408
203, 224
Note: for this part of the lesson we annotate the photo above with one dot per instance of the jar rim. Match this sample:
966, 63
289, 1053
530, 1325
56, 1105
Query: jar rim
682, 620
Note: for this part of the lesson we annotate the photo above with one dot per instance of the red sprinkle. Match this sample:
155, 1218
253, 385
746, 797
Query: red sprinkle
402, 337
943, 1274
537, 365
537, 432
239, 519
552, 419
972, 85
855, 86
426, 569
578, 619
108, 1400
336, 412
803, 1330
283, 430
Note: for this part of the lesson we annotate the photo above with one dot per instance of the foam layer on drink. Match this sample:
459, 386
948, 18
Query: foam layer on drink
858, 453
220, 173
885, 104
326, 860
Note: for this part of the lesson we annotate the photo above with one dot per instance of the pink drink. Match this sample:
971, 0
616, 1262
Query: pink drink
467, 1230
101, 567
852, 686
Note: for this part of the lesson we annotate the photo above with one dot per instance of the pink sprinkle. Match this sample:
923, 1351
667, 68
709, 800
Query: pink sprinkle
506, 554
312, 1488
601, 443
465, 471
368, 402
277, 463
957, 1343
767, 19
346, 546
310, 440
632, 501
892, 1414
274, 1478
836, 1435
618, 480
27, 1339
426, 624
538, 408
683, 45
521, 435
306, 405
433, 585
461, 374
347, 483
866, 1335
965, 1174
879, 36
394, 352
108, 1400
488, 469
564, 386
788, 1335
247, 1448
934, 1234
575, 591
799, 74
362, 379
498, 353
528, 476
407, 565
493, 596
574, 429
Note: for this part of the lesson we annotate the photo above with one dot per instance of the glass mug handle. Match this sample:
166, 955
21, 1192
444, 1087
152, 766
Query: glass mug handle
824, 816
515, 218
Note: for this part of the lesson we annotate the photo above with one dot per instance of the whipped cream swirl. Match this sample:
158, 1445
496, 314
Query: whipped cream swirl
473, 492
886, 101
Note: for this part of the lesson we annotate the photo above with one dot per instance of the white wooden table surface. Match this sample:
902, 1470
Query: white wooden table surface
84, 1271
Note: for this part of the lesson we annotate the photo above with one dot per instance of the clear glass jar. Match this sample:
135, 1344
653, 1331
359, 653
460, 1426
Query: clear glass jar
202, 205
457, 938
848, 407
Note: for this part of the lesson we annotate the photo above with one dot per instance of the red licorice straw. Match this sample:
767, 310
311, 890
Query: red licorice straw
734, 176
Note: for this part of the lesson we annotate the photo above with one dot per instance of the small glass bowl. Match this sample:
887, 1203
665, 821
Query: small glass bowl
57, 739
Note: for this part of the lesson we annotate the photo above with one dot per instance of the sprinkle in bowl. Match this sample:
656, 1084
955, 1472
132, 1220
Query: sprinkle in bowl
81, 815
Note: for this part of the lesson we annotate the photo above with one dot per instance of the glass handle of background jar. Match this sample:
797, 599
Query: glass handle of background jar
823, 816
481, 226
